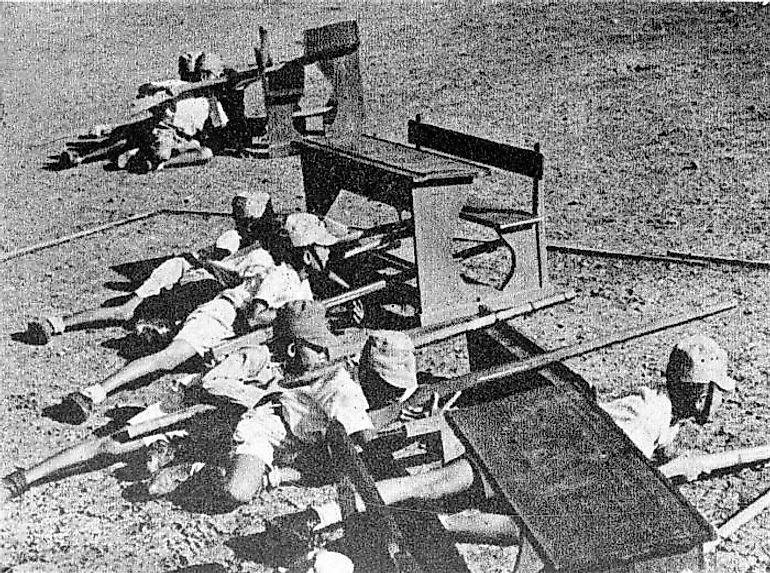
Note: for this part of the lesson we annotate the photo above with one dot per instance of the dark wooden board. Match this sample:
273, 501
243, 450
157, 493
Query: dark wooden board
515, 159
586, 496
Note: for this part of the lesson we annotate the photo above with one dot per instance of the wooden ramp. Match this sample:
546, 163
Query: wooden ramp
586, 498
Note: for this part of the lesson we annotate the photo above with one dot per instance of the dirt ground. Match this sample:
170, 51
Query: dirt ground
653, 119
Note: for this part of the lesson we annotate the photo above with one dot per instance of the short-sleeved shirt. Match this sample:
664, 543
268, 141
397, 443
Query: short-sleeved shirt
189, 114
645, 417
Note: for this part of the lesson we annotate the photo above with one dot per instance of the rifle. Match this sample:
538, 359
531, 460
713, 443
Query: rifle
387, 415
119, 443
339, 45
691, 466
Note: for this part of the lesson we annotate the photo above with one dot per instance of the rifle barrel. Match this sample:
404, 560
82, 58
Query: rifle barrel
387, 415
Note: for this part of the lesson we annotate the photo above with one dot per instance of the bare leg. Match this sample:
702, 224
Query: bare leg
190, 157
167, 359
244, 478
474, 526
17, 482
121, 313
41, 330
78, 405
453, 478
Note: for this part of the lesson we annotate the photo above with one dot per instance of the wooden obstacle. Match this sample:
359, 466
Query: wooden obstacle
334, 49
584, 498
431, 183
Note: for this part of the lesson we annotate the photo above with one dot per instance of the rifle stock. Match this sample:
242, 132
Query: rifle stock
384, 417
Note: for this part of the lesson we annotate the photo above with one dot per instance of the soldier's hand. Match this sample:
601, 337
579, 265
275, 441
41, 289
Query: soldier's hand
427, 409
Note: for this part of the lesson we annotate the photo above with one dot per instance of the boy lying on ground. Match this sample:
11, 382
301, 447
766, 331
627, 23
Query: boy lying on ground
258, 424
181, 125
235, 310
272, 423
696, 379
180, 284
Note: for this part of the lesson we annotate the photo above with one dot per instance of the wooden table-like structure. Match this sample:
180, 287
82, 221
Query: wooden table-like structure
587, 498
431, 188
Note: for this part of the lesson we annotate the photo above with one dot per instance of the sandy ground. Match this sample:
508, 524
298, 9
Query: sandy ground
653, 120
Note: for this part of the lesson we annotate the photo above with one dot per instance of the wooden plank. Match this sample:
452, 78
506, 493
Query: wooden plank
586, 496
515, 159
419, 166
350, 464
443, 294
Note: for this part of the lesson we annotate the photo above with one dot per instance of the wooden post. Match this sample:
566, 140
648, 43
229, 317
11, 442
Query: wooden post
344, 452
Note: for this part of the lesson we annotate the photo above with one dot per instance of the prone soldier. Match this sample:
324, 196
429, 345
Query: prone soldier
696, 381
180, 284
303, 246
274, 422
264, 423
181, 124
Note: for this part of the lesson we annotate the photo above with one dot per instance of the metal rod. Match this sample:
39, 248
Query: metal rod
105, 227
720, 260
81, 234
586, 251
203, 212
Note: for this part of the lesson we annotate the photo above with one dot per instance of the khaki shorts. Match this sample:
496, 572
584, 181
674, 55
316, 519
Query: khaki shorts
261, 432
166, 142
209, 325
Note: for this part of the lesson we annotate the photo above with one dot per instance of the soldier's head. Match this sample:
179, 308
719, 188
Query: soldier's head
208, 66
302, 332
696, 378
187, 62
306, 242
253, 216
388, 368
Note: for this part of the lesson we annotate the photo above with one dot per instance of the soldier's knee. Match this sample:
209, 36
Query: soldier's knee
241, 490
206, 154
244, 478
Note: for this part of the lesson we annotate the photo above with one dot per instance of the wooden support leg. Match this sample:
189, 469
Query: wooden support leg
443, 295
528, 561
283, 89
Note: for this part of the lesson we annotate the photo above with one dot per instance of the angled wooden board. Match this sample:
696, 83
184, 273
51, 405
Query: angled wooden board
585, 495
